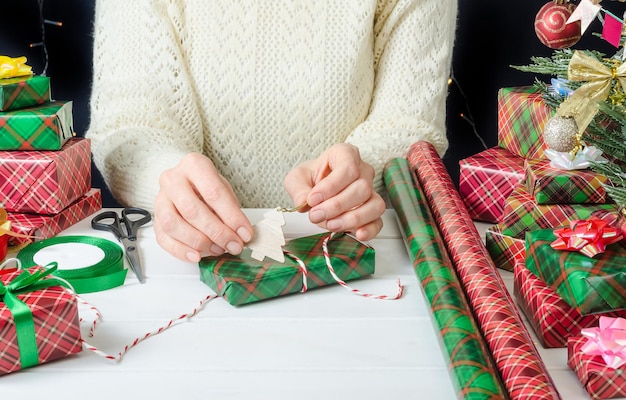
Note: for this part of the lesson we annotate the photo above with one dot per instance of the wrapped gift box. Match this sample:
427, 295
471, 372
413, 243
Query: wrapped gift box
522, 213
600, 381
522, 115
242, 280
56, 326
590, 285
551, 185
504, 250
45, 182
44, 127
486, 180
552, 319
45, 226
24, 92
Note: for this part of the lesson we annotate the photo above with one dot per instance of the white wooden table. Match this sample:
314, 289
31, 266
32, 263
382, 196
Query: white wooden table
323, 344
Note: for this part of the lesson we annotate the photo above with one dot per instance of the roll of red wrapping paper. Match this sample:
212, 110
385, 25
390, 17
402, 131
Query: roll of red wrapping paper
517, 359
472, 370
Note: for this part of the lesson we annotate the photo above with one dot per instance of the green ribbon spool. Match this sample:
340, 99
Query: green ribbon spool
105, 274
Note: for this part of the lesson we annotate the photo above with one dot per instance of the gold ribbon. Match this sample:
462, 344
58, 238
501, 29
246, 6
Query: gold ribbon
14, 67
582, 105
5, 226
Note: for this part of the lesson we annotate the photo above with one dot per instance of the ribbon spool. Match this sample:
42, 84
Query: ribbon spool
106, 273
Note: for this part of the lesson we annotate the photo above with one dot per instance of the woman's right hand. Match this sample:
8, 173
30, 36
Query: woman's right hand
196, 212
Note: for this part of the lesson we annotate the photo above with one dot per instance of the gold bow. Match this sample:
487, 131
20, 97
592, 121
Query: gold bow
14, 67
582, 105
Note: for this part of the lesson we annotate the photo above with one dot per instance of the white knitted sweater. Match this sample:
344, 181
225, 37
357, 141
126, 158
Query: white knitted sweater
262, 85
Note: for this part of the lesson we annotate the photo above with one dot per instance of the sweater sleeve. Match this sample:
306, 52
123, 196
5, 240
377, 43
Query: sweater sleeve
143, 114
413, 51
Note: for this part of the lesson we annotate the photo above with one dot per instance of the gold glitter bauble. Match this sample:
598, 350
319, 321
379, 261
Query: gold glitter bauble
560, 133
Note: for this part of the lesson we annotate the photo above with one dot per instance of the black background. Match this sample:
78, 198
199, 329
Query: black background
491, 36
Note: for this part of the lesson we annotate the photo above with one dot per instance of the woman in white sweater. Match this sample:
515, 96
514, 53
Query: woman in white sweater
200, 107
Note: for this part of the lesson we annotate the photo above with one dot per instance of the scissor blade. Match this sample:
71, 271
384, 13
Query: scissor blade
130, 248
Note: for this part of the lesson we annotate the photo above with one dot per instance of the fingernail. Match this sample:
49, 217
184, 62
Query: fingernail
334, 224
193, 257
244, 234
233, 247
315, 199
217, 250
317, 216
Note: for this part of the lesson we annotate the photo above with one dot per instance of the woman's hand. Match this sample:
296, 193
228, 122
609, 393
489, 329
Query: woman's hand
337, 186
196, 212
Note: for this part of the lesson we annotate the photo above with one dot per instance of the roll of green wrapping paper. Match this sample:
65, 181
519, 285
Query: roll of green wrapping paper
471, 368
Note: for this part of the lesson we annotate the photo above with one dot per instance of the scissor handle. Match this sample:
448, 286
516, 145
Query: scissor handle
132, 224
113, 226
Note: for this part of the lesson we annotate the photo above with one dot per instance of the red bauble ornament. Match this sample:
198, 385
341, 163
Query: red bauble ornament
551, 27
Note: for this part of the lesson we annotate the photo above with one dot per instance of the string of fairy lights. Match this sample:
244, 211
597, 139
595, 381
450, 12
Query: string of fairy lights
43, 22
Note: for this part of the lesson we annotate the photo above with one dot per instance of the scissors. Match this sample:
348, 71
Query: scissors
125, 230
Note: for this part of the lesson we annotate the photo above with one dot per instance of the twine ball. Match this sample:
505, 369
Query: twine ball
560, 133
551, 27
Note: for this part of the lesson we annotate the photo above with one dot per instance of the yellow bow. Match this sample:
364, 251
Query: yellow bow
14, 67
582, 105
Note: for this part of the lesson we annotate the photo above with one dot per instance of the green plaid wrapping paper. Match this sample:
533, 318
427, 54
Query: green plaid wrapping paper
45, 127
242, 280
589, 285
522, 115
504, 250
522, 213
551, 185
24, 92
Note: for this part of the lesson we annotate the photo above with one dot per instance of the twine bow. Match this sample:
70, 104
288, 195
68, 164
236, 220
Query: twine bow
589, 237
582, 105
608, 340
14, 67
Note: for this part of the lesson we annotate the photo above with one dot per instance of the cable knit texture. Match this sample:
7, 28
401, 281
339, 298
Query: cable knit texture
262, 85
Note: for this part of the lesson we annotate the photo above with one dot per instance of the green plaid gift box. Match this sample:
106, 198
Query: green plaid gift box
589, 285
504, 250
242, 280
522, 115
24, 92
45, 127
551, 185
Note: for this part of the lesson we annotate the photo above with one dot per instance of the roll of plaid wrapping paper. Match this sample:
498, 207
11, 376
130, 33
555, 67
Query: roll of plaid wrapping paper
472, 370
520, 366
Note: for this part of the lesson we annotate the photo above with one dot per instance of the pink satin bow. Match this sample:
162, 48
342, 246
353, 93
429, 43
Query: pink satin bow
608, 341
590, 237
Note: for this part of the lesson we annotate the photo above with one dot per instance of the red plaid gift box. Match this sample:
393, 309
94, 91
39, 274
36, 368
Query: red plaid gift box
45, 182
56, 332
504, 250
45, 226
522, 213
487, 179
600, 381
552, 318
551, 185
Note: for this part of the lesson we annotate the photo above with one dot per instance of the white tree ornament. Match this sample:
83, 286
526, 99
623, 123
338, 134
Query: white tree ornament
268, 239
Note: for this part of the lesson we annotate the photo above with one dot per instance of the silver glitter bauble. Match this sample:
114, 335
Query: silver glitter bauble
560, 133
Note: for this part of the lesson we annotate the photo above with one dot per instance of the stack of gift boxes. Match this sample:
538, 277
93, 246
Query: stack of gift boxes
514, 187
45, 171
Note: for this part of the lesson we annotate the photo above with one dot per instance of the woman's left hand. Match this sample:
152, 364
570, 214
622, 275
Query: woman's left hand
337, 188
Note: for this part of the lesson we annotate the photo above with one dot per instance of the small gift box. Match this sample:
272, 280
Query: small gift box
552, 319
38, 319
595, 355
522, 213
551, 185
588, 284
39, 226
45, 182
504, 250
486, 180
242, 280
44, 127
522, 115
24, 92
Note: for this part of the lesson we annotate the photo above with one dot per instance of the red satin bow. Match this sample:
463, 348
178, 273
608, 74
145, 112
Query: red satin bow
590, 237
608, 341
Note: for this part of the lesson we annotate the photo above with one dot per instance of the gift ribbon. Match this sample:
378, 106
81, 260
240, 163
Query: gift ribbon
14, 67
608, 340
580, 160
105, 274
589, 237
5, 226
26, 282
582, 105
